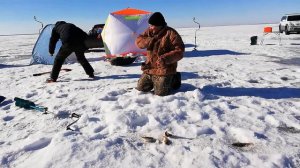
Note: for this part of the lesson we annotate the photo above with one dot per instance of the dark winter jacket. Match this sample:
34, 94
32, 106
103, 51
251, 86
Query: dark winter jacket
164, 50
68, 34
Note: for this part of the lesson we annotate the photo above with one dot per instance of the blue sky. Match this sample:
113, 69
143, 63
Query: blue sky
16, 16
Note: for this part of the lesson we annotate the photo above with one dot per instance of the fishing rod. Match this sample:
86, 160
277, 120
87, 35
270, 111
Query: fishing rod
194, 19
35, 19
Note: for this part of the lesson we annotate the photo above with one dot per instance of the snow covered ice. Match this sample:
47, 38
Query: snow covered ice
231, 93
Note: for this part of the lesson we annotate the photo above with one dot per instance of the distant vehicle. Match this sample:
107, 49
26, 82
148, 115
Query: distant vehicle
290, 23
94, 39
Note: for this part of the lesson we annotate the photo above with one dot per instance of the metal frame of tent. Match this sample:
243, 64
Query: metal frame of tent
269, 31
120, 31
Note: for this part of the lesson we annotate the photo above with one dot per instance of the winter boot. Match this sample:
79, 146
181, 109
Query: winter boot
92, 76
50, 80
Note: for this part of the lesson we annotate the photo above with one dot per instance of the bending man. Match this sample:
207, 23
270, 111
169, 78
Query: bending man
72, 39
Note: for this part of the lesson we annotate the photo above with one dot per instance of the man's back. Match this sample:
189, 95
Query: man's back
69, 33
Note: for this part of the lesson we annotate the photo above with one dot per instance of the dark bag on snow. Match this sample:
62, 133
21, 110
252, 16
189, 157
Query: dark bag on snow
120, 61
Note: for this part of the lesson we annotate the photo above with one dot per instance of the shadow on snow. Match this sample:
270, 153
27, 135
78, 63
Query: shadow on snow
189, 75
2, 66
267, 93
186, 87
189, 45
207, 53
184, 76
125, 76
291, 61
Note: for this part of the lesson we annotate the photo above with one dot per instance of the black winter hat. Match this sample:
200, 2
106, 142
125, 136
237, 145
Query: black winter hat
59, 23
157, 19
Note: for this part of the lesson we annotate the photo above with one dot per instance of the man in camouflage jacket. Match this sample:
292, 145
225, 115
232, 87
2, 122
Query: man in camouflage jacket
164, 49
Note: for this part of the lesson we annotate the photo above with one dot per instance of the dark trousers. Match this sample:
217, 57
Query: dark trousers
66, 51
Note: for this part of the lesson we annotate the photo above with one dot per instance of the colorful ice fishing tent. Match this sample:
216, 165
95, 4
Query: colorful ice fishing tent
120, 31
40, 52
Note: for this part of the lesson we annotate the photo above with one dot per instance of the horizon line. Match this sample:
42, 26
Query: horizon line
24, 34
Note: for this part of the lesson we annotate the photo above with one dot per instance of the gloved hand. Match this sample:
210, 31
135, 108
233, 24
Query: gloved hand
145, 66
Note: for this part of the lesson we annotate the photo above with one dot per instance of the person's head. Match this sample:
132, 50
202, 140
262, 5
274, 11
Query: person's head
59, 23
156, 21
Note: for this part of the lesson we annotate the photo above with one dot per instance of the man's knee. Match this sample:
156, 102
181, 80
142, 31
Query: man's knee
162, 92
145, 84
162, 85
144, 88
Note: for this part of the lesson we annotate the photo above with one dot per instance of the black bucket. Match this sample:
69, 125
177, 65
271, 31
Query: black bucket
253, 40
